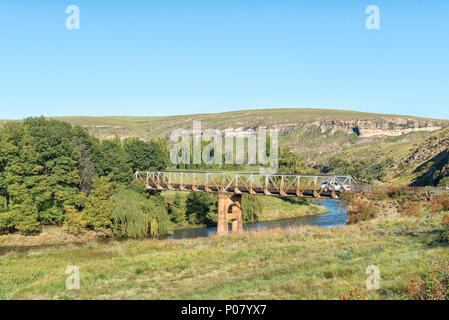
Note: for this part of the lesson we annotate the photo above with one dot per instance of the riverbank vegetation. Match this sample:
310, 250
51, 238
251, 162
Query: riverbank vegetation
295, 263
54, 174
191, 210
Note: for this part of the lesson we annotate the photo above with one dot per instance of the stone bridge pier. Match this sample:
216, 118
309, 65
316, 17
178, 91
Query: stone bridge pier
229, 202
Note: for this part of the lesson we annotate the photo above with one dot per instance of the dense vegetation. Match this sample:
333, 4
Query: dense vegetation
362, 170
54, 174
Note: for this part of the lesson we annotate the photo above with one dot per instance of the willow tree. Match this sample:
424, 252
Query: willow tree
251, 208
136, 216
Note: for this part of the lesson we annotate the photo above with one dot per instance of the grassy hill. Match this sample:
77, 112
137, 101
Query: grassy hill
427, 163
315, 134
161, 126
312, 133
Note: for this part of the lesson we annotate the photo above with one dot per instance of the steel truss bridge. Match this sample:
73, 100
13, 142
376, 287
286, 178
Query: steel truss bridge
281, 185
231, 188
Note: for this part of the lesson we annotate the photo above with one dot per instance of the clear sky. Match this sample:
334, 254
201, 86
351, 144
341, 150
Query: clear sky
146, 58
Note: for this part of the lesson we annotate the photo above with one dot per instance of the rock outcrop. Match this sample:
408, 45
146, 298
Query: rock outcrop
365, 127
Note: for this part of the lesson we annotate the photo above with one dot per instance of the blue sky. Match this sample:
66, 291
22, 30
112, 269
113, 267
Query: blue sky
146, 58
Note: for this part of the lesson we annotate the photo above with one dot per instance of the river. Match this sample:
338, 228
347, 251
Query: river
335, 217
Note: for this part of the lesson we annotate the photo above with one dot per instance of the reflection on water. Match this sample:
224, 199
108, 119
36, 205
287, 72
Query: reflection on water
334, 217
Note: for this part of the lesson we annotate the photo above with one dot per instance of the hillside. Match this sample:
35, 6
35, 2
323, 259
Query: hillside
312, 133
427, 164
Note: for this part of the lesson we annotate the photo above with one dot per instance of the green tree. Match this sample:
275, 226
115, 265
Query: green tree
113, 161
176, 211
200, 207
251, 208
145, 155
90, 154
97, 214
290, 163
39, 171
137, 216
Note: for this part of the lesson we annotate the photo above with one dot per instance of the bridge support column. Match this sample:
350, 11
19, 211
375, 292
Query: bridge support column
225, 201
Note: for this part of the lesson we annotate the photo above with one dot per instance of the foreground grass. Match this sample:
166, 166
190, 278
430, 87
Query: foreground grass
297, 263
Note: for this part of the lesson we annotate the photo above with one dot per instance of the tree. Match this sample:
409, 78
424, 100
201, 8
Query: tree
39, 171
290, 163
200, 207
176, 210
251, 208
113, 161
97, 214
51, 173
90, 153
145, 155
137, 216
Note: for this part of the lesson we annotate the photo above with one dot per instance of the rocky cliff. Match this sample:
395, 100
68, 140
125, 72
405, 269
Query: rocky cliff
365, 127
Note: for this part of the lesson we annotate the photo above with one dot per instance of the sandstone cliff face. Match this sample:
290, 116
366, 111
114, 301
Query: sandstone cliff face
365, 127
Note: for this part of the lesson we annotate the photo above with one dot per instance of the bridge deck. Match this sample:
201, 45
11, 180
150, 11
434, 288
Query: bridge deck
316, 186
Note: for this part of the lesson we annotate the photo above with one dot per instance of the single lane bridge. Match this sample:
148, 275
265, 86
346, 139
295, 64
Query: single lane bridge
231, 188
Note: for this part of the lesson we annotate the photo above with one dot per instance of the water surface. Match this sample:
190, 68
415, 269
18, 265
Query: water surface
335, 217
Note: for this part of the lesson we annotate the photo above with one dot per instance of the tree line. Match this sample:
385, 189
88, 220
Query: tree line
54, 174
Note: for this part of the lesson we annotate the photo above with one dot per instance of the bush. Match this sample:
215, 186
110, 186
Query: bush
439, 204
411, 209
356, 294
430, 286
358, 208
396, 191
74, 221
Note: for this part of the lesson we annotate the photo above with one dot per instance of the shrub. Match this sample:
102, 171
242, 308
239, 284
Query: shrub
444, 202
435, 206
445, 222
439, 204
358, 208
74, 221
411, 209
356, 294
396, 191
431, 286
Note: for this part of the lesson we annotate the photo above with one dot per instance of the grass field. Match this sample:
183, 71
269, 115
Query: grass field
297, 263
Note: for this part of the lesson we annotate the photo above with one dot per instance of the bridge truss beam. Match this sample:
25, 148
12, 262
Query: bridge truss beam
281, 185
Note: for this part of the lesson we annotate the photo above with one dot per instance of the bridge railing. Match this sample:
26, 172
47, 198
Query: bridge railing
250, 183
